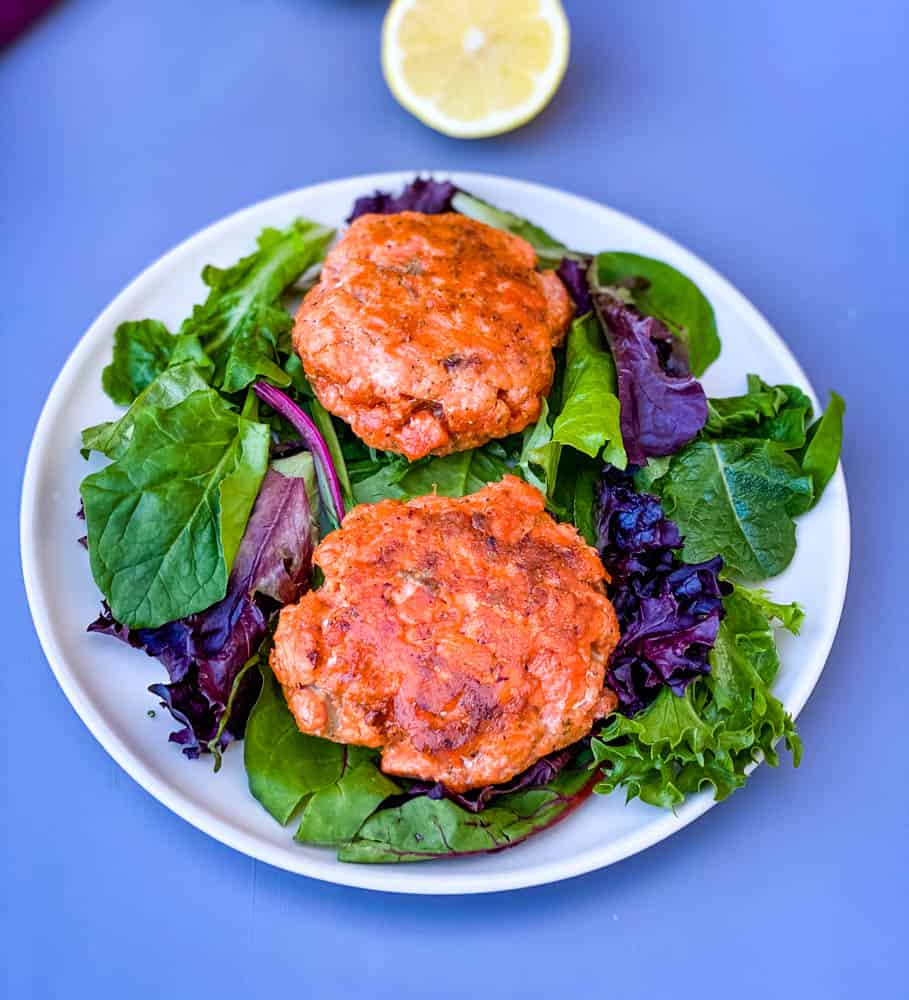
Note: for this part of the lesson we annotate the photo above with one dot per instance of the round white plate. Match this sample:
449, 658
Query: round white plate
106, 682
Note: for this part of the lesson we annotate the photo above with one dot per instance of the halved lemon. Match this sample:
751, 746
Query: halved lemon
472, 68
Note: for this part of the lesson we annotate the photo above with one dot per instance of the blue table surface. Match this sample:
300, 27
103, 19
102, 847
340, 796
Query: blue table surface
771, 138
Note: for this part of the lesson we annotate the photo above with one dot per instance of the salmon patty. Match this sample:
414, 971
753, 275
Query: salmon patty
431, 334
465, 637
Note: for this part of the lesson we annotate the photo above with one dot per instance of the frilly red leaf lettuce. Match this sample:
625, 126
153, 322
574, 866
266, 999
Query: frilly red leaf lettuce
205, 653
573, 273
421, 195
476, 799
663, 405
669, 612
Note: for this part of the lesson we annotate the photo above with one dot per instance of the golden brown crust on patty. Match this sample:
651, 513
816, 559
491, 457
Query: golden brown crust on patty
466, 637
431, 334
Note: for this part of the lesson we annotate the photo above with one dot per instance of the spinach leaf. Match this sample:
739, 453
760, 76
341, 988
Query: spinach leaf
283, 765
781, 414
336, 812
736, 499
172, 387
659, 290
589, 416
165, 519
548, 249
339, 786
725, 720
424, 828
824, 441
240, 322
142, 350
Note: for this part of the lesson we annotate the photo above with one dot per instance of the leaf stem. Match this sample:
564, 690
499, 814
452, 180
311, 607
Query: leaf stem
329, 484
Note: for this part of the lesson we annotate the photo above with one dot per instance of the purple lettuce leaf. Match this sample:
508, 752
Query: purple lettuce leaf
205, 653
663, 405
669, 611
476, 799
573, 273
421, 195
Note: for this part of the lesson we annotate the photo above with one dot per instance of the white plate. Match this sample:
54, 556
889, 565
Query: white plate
106, 682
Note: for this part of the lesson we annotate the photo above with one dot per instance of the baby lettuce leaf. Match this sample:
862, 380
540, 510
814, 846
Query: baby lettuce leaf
584, 415
338, 786
538, 461
725, 720
782, 414
662, 406
326, 474
431, 197
326, 425
659, 290
173, 386
254, 352
821, 454
283, 765
668, 611
142, 350
393, 477
778, 413
235, 331
207, 655
421, 195
573, 272
165, 519
583, 502
335, 812
548, 249
736, 499
240, 322
423, 829
589, 419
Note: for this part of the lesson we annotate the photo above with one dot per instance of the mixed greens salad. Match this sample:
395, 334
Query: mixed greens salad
224, 471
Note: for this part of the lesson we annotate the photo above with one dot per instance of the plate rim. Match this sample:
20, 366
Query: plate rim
380, 877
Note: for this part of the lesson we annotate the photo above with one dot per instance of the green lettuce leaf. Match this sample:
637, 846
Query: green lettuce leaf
393, 477
548, 249
538, 461
777, 413
582, 413
736, 499
142, 350
338, 786
240, 322
757, 464
165, 519
589, 417
659, 290
423, 828
323, 420
821, 454
724, 722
